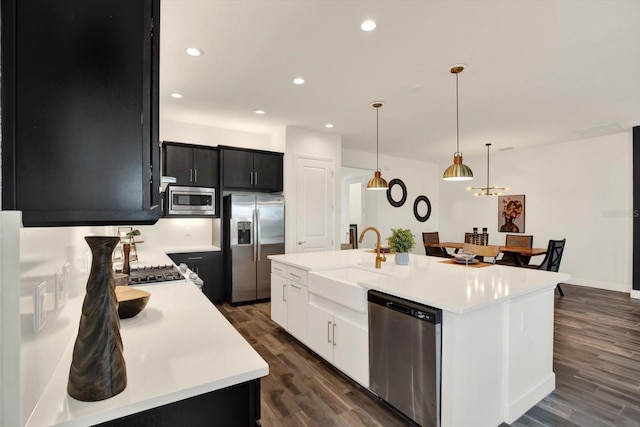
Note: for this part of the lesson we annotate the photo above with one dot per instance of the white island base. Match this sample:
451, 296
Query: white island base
497, 328
497, 362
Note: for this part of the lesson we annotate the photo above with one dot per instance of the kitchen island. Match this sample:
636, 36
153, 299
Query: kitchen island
182, 357
497, 327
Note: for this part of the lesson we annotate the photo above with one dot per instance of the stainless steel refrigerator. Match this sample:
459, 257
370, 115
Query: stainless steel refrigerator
253, 228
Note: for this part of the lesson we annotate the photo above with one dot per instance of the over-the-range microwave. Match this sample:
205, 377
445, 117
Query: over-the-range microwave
195, 201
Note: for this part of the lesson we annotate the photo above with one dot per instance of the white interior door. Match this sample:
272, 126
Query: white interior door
314, 204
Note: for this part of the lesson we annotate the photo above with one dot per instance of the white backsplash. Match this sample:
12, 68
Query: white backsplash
178, 232
43, 252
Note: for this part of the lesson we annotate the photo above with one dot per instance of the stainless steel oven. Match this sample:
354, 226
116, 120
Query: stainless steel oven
195, 201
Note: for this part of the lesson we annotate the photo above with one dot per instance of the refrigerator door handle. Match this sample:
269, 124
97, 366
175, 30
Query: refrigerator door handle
258, 230
255, 237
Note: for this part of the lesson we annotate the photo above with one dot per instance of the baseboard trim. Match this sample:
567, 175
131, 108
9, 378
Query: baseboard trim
517, 408
619, 287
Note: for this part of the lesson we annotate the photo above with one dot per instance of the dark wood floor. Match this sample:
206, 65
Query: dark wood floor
596, 361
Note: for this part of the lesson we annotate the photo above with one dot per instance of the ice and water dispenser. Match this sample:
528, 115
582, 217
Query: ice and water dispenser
244, 232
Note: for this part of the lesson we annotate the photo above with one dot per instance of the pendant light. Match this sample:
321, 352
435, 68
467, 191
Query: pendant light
488, 191
458, 171
377, 182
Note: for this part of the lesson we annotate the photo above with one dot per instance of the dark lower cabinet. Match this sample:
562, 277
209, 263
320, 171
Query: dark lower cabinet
235, 406
207, 265
80, 111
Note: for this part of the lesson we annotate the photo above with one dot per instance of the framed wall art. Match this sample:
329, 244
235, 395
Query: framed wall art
511, 210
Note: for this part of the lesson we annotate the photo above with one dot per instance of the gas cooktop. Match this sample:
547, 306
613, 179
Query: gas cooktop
154, 274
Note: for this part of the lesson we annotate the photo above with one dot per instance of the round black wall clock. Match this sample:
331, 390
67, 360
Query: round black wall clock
403, 198
426, 216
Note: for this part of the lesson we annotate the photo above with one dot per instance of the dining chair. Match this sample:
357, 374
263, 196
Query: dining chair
520, 241
434, 237
551, 261
482, 251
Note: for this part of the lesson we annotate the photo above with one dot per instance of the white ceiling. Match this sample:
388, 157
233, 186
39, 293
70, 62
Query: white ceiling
537, 72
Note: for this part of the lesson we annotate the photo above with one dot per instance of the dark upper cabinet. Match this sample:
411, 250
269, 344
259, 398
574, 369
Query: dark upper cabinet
191, 165
80, 111
251, 170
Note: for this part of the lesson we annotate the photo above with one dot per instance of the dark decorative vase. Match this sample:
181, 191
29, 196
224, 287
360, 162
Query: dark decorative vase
98, 369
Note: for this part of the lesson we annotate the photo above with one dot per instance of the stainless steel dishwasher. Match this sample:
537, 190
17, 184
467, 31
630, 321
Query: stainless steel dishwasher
404, 356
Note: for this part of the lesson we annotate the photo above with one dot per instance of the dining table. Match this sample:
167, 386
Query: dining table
517, 251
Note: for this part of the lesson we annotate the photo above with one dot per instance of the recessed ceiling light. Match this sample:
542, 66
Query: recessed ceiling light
176, 95
298, 81
328, 125
259, 111
368, 25
194, 51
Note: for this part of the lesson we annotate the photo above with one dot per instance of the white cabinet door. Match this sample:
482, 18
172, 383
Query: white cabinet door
279, 300
320, 332
297, 302
351, 349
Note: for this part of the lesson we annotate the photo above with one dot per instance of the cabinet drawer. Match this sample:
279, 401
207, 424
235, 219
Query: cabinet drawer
192, 257
297, 275
279, 269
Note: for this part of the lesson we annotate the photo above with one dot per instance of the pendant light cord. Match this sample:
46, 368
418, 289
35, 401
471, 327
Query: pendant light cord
377, 153
457, 119
488, 166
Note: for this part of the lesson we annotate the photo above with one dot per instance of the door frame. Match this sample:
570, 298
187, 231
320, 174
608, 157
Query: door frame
346, 211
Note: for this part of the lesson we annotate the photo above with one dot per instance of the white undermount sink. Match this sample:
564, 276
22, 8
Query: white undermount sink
341, 285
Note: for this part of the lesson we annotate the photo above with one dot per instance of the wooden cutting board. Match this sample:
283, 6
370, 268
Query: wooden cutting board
125, 293
476, 265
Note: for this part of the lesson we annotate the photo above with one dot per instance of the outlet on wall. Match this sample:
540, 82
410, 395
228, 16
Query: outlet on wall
59, 289
66, 270
39, 311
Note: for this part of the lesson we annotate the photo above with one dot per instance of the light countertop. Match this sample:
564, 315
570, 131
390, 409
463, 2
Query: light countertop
179, 346
427, 280
188, 249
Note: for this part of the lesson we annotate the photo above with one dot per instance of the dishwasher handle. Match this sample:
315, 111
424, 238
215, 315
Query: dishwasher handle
398, 307
405, 307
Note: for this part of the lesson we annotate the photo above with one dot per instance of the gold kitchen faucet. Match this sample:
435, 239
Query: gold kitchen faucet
380, 257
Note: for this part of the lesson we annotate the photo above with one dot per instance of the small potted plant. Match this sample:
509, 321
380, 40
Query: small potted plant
401, 242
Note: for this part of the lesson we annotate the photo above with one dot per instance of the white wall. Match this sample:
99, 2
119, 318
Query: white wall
304, 142
178, 232
420, 178
10, 222
578, 190
206, 135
